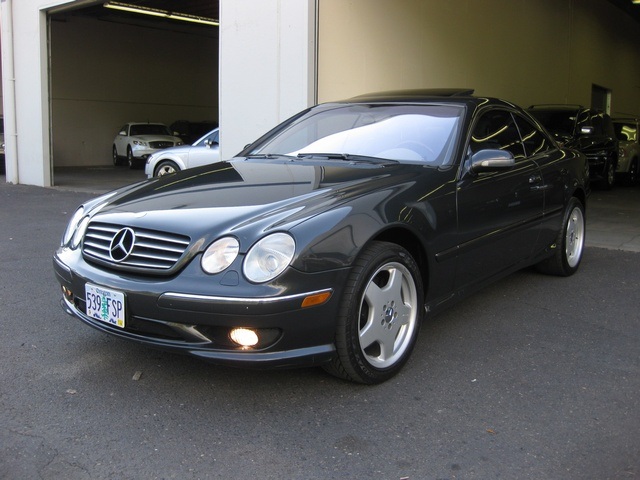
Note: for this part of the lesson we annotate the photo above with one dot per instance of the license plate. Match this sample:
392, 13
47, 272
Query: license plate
105, 305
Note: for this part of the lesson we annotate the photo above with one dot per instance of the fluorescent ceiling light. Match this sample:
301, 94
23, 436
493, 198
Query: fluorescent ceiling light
126, 7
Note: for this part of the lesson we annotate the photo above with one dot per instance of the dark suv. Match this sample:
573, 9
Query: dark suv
586, 130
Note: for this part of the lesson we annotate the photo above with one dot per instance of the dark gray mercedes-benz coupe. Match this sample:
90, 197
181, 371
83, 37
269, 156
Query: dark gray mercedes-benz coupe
331, 238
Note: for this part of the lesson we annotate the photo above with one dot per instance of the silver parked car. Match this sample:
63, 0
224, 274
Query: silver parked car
629, 149
136, 141
204, 151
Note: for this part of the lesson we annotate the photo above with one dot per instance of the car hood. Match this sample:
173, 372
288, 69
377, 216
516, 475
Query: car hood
244, 195
179, 150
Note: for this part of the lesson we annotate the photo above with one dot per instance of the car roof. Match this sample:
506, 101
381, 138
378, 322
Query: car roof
412, 95
625, 119
560, 106
461, 96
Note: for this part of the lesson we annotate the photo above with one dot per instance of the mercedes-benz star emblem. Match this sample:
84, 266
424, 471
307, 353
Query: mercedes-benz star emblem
122, 244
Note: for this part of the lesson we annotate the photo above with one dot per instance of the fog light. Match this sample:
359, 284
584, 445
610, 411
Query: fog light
244, 337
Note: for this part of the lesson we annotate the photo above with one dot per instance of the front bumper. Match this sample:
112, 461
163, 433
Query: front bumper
198, 324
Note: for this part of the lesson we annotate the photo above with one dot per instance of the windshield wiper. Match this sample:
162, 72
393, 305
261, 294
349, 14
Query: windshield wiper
338, 156
270, 156
347, 156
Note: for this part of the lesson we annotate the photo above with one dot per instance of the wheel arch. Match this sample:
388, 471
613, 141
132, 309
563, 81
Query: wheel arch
581, 195
408, 240
180, 166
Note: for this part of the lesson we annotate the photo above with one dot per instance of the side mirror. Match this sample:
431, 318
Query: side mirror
122, 132
586, 130
491, 160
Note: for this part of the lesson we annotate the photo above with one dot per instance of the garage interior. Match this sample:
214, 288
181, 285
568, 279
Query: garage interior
142, 61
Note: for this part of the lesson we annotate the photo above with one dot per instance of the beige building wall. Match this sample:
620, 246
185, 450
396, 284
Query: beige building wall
526, 51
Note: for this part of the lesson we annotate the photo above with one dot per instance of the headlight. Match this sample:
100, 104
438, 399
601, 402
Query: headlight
219, 255
269, 257
90, 208
79, 233
140, 142
73, 224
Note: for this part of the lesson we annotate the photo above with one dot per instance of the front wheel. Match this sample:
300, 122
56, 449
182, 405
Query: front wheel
569, 245
632, 175
610, 175
380, 315
166, 167
130, 158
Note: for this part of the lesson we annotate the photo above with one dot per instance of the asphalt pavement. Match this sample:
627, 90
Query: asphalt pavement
534, 377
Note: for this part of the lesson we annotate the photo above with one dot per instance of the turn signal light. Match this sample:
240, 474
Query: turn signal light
67, 293
316, 299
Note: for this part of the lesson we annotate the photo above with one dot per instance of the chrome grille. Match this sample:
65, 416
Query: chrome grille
151, 251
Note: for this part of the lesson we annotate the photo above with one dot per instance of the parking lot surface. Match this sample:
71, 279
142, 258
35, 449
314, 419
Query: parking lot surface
534, 377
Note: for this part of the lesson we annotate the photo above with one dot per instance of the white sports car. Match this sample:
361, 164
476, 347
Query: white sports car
136, 141
204, 151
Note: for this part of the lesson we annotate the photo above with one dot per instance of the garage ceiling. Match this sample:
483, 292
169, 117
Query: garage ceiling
210, 9
207, 9
198, 8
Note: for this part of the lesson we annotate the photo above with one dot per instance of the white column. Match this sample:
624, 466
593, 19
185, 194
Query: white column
267, 66
26, 91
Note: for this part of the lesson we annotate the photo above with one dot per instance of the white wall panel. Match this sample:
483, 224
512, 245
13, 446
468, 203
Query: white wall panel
267, 66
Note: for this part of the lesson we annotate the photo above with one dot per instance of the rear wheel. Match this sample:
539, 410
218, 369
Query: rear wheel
116, 158
166, 167
380, 315
569, 245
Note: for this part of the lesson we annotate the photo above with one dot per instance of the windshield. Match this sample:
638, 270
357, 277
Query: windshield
407, 133
559, 122
149, 129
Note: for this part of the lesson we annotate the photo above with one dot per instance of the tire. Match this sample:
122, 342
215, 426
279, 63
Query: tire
569, 245
116, 158
166, 167
380, 315
609, 175
632, 175
130, 158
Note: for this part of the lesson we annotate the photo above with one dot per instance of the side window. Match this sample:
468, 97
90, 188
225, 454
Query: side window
213, 137
496, 129
535, 141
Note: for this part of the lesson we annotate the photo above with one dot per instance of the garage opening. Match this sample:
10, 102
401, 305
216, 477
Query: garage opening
601, 98
114, 62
